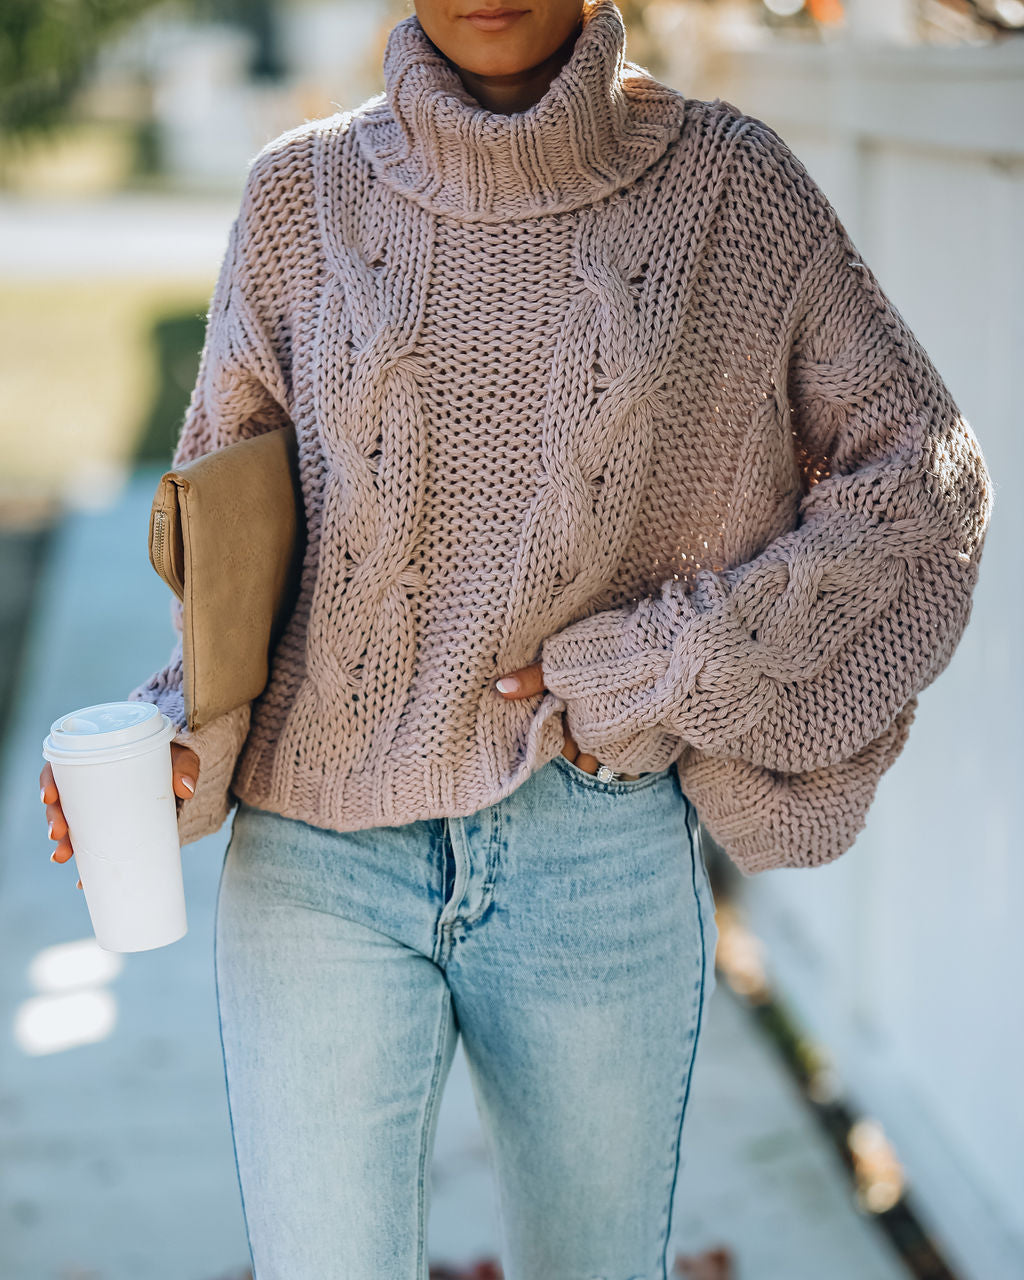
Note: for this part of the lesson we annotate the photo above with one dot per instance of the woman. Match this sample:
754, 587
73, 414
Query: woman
593, 394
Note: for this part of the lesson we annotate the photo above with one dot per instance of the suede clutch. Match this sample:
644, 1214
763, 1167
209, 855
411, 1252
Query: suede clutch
227, 535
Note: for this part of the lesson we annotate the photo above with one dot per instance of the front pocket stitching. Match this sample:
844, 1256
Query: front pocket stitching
590, 780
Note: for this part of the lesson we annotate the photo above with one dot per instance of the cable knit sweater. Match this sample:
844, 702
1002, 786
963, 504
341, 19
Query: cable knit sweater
602, 383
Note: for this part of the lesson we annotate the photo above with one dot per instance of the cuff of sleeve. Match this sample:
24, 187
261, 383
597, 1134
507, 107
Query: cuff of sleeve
218, 746
607, 668
767, 821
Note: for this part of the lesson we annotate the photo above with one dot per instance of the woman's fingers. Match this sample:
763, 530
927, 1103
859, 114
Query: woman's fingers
56, 824
523, 683
569, 748
571, 751
530, 680
63, 851
185, 770
57, 829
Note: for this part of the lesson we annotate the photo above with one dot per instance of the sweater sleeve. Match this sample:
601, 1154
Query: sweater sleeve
239, 392
807, 653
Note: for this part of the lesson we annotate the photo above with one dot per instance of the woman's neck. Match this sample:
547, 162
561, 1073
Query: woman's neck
517, 92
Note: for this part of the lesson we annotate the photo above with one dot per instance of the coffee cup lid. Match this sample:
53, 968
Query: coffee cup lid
108, 730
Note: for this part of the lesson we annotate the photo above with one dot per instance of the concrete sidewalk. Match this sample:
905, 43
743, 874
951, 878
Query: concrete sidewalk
115, 1145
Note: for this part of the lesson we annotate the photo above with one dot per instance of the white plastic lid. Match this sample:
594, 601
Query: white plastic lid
107, 731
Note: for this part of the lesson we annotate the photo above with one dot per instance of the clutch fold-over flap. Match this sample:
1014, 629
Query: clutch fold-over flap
225, 534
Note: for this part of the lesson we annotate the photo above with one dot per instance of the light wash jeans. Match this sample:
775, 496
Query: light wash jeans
566, 931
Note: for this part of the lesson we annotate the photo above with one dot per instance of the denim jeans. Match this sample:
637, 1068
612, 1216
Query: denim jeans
566, 932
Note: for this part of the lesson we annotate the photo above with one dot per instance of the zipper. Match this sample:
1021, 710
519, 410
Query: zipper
159, 528
163, 557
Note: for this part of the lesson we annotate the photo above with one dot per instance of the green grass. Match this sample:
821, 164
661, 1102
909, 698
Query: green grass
95, 373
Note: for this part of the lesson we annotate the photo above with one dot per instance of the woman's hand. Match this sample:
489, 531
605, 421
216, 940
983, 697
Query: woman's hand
185, 773
530, 680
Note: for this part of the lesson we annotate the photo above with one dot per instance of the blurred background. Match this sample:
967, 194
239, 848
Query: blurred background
857, 1109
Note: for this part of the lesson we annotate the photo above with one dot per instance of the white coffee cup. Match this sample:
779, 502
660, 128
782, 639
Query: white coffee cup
112, 766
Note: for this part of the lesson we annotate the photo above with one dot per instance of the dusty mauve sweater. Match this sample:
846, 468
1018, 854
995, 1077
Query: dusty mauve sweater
603, 383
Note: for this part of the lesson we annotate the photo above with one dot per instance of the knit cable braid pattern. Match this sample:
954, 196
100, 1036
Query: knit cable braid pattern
603, 383
812, 653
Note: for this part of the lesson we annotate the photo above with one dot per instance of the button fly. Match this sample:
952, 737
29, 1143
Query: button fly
449, 869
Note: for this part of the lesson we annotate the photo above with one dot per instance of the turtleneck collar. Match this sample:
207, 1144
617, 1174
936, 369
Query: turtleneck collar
601, 122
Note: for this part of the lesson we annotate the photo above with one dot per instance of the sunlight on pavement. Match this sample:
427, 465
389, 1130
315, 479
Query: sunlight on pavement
50, 1024
73, 1009
70, 965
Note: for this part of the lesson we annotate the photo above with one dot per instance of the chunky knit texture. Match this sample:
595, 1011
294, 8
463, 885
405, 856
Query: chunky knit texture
604, 383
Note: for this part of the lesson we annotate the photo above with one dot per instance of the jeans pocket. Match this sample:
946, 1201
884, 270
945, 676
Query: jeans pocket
592, 782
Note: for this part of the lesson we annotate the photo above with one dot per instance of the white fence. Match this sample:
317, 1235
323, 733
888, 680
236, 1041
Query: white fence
906, 956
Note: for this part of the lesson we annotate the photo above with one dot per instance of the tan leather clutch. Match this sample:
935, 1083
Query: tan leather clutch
227, 534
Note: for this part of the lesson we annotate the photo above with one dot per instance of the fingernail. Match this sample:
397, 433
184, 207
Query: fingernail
507, 684
42, 794
190, 784
53, 856
49, 829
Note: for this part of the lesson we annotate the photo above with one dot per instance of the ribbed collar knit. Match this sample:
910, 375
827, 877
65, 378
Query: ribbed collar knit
601, 123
